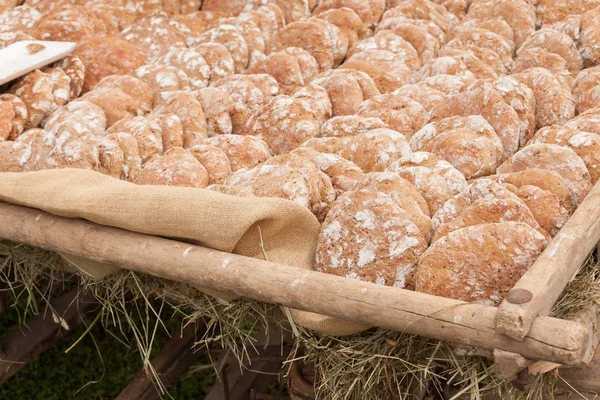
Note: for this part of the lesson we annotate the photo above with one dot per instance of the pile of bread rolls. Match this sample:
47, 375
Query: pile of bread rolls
441, 143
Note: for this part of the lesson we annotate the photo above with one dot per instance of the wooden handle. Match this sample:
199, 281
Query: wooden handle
551, 339
552, 271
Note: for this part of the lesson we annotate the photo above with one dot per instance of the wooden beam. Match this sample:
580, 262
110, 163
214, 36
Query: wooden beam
42, 331
553, 270
255, 375
173, 360
549, 339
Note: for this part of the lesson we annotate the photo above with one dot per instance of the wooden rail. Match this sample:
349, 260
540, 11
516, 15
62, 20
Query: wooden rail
550, 339
554, 268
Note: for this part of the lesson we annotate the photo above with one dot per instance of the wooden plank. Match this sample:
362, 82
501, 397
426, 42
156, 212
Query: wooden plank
24, 56
508, 365
255, 375
553, 270
549, 339
173, 360
42, 331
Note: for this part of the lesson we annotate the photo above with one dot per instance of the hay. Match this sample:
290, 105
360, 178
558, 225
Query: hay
377, 364
31, 277
384, 364
135, 303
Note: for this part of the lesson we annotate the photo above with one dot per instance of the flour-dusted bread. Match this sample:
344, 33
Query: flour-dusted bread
456, 181
585, 144
109, 153
556, 158
219, 110
75, 70
350, 125
542, 178
104, 55
515, 13
586, 89
189, 110
545, 207
521, 99
137, 89
399, 113
115, 104
214, 160
558, 43
35, 90
323, 40
155, 34
481, 189
373, 150
219, 59
588, 121
13, 115
231, 38
344, 174
387, 40
487, 211
488, 102
479, 263
243, 152
191, 62
288, 121
470, 144
292, 67
321, 188
147, 133
163, 78
426, 44
348, 21
425, 95
432, 186
249, 92
404, 194
590, 36
70, 146
280, 181
388, 70
495, 25
554, 102
366, 236
369, 11
347, 89
176, 167
538, 57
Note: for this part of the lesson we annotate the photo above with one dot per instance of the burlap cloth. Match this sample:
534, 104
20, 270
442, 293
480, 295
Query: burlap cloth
289, 231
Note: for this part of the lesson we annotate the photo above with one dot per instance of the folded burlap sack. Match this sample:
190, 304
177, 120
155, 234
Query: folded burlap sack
202, 217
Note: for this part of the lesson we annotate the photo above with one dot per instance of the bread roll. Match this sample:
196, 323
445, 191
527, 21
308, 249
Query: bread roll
479, 263
367, 237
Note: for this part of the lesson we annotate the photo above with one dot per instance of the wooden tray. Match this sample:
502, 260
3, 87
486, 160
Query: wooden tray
515, 331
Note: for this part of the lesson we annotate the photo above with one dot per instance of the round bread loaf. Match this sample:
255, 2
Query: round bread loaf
479, 263
367, 236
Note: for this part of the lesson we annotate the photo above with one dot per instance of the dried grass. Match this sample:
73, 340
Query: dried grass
384, 364
374, 365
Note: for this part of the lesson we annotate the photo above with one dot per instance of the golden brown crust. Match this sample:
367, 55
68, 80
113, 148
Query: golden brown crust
480, 263
366, 236
399, 113
244, 152
214, 160
347, 89
562, 160
104, 55
177, 167
404, 194
14, 116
